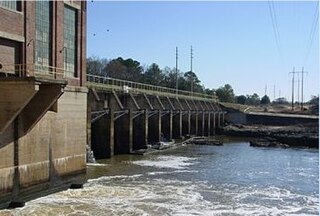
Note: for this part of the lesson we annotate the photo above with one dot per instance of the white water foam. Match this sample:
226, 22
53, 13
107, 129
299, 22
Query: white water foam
97, 164
139, 195
173, 162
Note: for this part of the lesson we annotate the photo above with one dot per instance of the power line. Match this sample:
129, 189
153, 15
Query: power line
312, 34
275, 26
276, 20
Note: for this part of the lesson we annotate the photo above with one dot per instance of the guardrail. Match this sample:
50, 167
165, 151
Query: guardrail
108, 83
126, 86
33, 70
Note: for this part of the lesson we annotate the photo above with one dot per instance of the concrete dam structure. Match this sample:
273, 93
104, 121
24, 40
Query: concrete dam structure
128, 116
47, 116
43, 98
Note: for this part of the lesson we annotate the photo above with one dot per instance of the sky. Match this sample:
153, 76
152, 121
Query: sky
250, 45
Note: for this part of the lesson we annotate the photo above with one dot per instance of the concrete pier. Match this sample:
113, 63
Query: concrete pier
123, 142
140, 130
166, 124
177, 125
154, 126
132, 121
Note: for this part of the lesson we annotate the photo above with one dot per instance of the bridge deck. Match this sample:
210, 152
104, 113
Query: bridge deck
109, 84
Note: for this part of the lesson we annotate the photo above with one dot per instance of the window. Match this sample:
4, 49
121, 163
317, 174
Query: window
13, 5
43, 34
70, 41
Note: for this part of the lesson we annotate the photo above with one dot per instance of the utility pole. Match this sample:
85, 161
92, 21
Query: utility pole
302, 75
293, 72
298, 88
191, 58
279, 93
176, 70
274, 91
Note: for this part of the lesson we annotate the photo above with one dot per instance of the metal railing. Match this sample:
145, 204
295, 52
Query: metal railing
107, 83
33, 70
126, 86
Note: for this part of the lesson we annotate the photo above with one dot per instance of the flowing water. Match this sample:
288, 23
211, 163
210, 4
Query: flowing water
234, 179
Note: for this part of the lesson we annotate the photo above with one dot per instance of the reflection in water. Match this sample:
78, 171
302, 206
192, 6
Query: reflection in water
234, 179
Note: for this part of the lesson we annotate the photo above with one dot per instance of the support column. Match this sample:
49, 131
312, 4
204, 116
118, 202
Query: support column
222, 123
209, 124
166, 126
218, 126
102, 136
177, 125
213, 128
201, 124
16, 202
194, 123
154, 128
186, 120
123, 134
140, 131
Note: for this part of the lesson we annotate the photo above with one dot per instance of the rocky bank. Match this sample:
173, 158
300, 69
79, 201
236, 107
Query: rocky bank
277, 136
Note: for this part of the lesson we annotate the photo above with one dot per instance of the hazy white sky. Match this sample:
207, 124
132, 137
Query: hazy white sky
234, 42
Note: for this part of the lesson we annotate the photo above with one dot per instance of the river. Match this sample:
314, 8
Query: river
233, 179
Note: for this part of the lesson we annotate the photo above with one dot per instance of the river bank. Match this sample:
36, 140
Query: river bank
277, 136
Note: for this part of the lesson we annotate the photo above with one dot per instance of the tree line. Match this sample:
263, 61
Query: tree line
132, 70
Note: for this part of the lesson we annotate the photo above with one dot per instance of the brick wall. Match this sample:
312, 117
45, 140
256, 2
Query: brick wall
20, 27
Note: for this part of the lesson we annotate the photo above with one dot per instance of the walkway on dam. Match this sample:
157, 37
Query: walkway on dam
126, 116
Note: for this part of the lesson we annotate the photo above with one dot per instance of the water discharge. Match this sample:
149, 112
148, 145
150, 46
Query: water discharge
233, 179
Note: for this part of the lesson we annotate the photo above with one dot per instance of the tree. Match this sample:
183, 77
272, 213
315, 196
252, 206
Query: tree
253, 99
153, 75
115, 69
225, 93
170, 77
133, 69
265, 100
192, 81
280, 100
126, 69
209, 91
314, 100
96, 66
241, 99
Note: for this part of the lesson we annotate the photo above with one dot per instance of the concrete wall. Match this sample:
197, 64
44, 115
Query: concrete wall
268, 119
54, 149
280, 119
236, 117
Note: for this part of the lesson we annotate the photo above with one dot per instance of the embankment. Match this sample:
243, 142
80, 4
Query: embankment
293, 135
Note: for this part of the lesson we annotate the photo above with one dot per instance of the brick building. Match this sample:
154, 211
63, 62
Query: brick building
43, 98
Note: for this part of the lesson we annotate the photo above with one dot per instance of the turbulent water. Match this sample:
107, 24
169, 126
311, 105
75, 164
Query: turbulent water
233, 179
